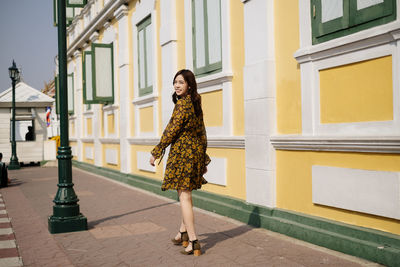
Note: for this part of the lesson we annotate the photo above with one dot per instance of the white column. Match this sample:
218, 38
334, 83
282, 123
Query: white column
168, 56
121, 14
79, 104
260, 101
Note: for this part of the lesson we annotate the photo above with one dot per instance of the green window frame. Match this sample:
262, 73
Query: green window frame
206, 36
103, 73
145, 52
70, 14
87, 78
76, 3
70, 85
351, 21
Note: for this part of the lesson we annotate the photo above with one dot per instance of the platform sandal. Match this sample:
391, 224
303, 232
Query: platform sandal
196, 249
184, 240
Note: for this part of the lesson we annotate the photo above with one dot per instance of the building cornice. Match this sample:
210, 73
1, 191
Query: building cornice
106, 14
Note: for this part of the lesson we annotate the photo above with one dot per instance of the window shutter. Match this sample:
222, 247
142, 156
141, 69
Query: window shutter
214, 35
207, 40
199, 53
87, 78
329, 16
103, 73
363, 11
70, 80
149, 58
336, 18
145, 55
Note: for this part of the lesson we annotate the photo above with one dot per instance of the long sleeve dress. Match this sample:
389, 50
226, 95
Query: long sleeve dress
187, 157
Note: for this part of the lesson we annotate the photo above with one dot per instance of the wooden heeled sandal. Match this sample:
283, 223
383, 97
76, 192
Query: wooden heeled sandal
196, 249
184, 240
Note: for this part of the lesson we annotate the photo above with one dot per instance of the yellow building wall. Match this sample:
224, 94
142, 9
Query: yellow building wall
294, 184
236, 185
72, 128
85, 146
110, 123
89, 126
237, 55
146, 119
180, 33
288, 87
113, 147
235, 173
357, 92
159, 167
212, 104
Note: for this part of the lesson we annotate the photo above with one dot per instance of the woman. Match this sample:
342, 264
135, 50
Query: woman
187, 160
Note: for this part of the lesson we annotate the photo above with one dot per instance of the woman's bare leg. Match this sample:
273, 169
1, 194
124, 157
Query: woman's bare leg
185, 198
182, 229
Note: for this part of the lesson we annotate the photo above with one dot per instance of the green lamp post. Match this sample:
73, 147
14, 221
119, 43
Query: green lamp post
66, 215
14, 75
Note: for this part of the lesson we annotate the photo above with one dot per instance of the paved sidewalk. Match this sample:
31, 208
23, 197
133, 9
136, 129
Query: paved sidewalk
9, 255
130, 227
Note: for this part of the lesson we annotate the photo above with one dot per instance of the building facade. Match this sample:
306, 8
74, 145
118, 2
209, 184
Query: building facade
301, 103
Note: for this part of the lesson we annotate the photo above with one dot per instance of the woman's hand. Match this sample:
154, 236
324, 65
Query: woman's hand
152, 159
205, 170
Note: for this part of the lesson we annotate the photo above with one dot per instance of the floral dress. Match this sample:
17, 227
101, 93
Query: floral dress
187, 157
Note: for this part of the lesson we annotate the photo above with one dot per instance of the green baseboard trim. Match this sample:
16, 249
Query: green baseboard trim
370, 244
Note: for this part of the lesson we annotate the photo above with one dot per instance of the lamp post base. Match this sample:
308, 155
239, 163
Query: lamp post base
14, 165
67, 224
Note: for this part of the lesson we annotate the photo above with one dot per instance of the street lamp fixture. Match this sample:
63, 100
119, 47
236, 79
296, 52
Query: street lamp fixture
14, 75
66, 212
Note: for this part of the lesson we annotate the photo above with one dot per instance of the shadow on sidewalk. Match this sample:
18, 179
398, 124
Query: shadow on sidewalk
91, 224
215, 237
14, 182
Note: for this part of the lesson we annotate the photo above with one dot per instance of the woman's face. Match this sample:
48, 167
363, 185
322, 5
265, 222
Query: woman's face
180, 85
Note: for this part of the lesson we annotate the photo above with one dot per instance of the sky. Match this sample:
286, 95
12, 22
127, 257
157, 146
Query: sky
29, 37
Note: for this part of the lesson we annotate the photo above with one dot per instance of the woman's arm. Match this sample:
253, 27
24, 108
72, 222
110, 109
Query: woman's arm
175, 125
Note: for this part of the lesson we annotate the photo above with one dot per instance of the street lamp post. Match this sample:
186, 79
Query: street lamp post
66, 215
14, 75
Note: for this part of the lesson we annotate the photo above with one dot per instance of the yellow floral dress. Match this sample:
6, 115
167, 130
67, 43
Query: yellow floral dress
187, 157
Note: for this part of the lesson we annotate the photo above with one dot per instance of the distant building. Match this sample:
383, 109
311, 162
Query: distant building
30, 113
301, 104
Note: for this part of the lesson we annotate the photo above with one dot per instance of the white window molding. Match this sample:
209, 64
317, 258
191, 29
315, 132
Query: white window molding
109, 140
311, 96
143, 10
225, 35
216, 81
212, 142
368, 44
373, 144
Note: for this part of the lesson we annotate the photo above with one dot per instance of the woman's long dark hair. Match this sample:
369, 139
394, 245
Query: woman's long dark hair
188, 76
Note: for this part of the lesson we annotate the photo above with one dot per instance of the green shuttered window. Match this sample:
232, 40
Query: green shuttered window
336, 18
207, 48
102, 74
70, 14
145, 56
87, 78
